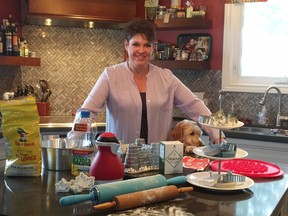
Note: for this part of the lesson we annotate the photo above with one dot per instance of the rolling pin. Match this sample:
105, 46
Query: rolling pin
141, 198
106, 192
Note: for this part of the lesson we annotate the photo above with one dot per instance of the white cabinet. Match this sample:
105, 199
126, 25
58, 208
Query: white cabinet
274, 152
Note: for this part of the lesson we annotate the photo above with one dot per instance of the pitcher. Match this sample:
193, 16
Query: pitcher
107, 166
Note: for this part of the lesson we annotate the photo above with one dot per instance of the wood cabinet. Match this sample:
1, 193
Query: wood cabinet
19, 61
98, 11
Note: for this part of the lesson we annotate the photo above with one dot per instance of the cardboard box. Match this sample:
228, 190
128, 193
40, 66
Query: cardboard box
171, 157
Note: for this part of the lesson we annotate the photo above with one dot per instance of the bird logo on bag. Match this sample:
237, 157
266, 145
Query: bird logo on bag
22, 134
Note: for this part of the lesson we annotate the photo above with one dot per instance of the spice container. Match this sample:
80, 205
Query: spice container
161, 12
175, 3
172, 12
180, 13
185, 54
168, 52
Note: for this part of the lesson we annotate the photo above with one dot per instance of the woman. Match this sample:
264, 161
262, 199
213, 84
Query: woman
139, 96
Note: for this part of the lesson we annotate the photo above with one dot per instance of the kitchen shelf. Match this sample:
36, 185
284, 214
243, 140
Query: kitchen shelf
182, 65
19, 61
184, 23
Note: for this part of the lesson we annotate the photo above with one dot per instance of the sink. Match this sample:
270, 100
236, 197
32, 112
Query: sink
260, 131
255, 130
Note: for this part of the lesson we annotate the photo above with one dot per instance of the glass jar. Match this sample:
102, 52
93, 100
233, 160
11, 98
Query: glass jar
180, 13
172, 12
161, 12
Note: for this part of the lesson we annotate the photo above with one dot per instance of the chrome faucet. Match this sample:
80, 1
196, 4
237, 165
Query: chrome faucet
279, 116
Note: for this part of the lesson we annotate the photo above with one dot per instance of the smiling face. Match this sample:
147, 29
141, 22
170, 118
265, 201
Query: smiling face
139, 50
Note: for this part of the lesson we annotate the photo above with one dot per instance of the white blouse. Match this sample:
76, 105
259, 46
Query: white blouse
116, 88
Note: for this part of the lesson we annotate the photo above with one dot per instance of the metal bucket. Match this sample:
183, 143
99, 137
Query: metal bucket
57, 154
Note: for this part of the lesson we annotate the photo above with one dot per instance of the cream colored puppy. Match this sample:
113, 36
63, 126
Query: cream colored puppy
189, 133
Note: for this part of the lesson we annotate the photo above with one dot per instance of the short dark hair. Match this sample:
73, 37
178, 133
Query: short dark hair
140, 26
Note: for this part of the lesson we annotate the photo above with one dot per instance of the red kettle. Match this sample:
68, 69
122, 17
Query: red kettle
106, 165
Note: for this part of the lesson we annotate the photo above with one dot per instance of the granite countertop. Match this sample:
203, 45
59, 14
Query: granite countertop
36, 196
60, 122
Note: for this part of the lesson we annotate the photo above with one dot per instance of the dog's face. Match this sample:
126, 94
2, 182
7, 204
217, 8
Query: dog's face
188, 133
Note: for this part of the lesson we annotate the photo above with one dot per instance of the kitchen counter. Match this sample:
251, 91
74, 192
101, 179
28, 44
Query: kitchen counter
61, 124
36, 196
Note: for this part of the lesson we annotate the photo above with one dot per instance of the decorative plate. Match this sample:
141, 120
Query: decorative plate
240, 153
198, 179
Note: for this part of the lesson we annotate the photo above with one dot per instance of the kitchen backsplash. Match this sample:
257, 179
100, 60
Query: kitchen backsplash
73, 58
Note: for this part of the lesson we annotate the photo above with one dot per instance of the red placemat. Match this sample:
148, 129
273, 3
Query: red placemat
248, 167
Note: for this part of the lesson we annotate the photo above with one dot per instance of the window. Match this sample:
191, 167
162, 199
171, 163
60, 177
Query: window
255, 46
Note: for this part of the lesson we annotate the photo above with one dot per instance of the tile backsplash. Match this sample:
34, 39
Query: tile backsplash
73, 58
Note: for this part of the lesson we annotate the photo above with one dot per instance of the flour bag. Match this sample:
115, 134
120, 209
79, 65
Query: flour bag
21, 133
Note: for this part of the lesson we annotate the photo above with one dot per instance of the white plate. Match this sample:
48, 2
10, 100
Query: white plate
237, 125
195, 177
240, 153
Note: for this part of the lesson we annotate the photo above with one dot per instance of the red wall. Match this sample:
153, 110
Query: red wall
12, 7
215, 12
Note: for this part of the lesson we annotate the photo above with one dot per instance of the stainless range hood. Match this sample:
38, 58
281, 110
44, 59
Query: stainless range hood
81, 13
72, 22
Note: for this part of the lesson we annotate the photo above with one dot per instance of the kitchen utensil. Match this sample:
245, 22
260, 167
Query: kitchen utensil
57, 153
202, 179
229, 177
141, 198
45, 91
43, 85
248, 167
106, 192
46, 95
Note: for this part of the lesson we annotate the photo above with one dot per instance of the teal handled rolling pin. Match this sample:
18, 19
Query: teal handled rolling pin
106, 192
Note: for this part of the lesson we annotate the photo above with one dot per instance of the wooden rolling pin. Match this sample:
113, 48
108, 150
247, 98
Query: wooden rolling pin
141, 198
106, 192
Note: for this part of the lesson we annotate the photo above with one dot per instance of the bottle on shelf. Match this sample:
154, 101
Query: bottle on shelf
8, 37
1, 42
26, 50
175, 3
15, 45
21, 46
84, 150
9, 41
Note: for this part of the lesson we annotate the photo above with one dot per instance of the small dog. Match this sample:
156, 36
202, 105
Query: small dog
187, 132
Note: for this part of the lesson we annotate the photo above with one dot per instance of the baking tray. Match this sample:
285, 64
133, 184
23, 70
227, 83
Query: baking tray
248, 167
196, 42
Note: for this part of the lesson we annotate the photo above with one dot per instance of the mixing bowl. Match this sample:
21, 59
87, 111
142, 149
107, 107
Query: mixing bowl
57, 154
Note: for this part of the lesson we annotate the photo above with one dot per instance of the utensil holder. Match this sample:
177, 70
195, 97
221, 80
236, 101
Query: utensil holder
43, 108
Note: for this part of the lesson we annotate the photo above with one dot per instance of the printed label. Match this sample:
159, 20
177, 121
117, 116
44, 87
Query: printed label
81, 127
81, 160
